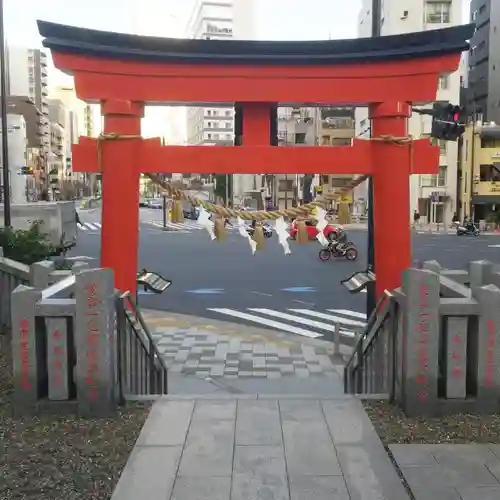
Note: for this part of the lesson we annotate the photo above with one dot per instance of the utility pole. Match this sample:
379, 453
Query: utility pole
5, 132
371, 299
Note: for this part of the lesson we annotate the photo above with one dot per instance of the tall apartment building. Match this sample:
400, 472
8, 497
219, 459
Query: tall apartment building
214, 125
28, 76
79, 121
483, 96
434, 196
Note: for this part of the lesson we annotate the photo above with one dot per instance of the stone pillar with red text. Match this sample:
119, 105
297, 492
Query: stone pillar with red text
488, 348
120, 191
95, 342
420, 342
28, 347
391, 191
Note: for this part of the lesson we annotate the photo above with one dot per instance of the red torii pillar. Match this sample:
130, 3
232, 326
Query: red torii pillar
398, 72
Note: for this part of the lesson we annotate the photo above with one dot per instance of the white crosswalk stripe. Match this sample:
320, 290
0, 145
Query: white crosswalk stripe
349, 321
89, 226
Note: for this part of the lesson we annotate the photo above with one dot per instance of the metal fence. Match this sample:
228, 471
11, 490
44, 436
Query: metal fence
435, 345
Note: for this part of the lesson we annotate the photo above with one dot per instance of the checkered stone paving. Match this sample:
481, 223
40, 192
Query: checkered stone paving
207, 354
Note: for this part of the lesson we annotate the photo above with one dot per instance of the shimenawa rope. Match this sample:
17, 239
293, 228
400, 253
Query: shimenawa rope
260, 215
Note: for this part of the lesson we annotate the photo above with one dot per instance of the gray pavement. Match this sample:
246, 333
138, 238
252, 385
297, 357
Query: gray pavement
257, 447
450, 472
206, 356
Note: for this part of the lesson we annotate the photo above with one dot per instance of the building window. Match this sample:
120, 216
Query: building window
441, 177
443, 82
228, 125
300, 138
228, 113
228, 137
216, 137
341, 141
285, 185
325, 140
437, 12
209, 136
489, 173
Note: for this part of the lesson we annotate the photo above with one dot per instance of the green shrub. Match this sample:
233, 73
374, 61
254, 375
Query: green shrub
27, 246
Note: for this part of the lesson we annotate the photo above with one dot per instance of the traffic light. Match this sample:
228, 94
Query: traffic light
448, 121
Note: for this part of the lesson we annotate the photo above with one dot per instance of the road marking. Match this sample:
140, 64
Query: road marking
92, 226
206, 291
347, 312
303, 321
267, 322
299, 289
264, 294
493, 246
330, 317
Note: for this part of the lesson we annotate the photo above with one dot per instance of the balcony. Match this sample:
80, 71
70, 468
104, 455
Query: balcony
485, 188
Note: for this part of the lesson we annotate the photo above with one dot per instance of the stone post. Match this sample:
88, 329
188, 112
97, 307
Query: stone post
40, 273
420, 343
480, 272
95, 342
28, 347
488, 348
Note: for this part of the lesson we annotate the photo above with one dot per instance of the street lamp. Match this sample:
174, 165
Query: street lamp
5, 132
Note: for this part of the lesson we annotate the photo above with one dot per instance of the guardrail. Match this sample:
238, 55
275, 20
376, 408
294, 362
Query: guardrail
435, 345
12, 274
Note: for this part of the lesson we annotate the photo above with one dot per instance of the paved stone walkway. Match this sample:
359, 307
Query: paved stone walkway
450, 471
234, 351
270, 448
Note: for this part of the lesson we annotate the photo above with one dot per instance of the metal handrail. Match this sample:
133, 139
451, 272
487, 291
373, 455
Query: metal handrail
135, 308
383, 310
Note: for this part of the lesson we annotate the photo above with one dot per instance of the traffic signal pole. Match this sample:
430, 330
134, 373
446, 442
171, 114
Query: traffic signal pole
371, 298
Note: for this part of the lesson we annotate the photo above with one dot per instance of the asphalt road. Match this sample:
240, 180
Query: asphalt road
227, 277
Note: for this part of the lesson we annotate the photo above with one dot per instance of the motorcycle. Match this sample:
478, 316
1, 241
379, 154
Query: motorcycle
338, 249
268, 230
469, 230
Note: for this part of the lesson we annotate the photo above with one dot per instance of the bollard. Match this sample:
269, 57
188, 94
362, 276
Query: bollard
336, 340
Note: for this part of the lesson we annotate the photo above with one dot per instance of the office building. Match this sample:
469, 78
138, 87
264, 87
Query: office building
434, 196
480, 172
483, 96
214, 125
335, 126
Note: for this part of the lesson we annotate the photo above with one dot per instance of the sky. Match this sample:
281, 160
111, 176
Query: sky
274, 20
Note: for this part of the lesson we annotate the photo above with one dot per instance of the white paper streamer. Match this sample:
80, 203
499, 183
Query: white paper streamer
204, 221
320, 216
283, 235
242, 229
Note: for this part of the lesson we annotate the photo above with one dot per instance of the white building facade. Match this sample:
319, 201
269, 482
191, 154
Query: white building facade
214, 125
434, 196
18, 142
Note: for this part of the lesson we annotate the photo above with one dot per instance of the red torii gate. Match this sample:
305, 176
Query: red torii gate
125, 72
